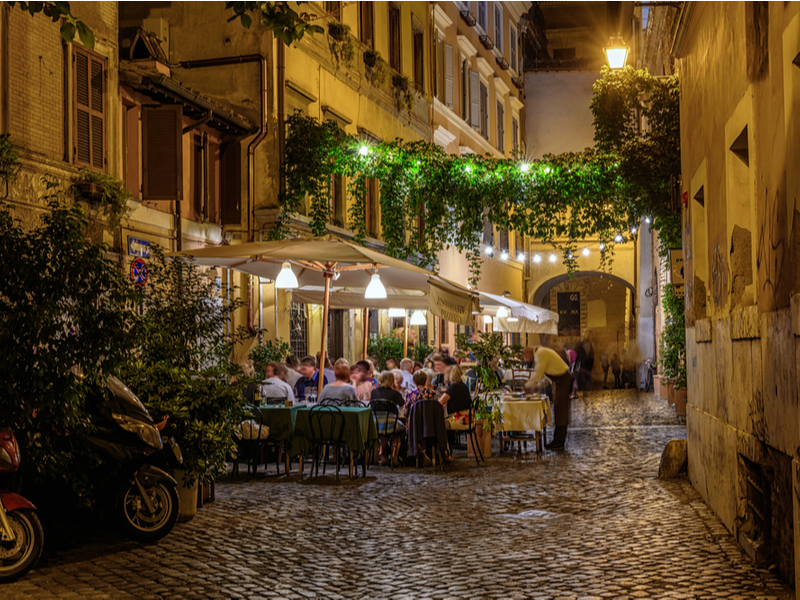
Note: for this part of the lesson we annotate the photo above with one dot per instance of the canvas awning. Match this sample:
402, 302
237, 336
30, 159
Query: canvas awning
530, 318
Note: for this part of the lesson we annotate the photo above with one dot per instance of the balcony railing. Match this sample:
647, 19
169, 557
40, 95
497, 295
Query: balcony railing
500, 60
487, 42
468, 18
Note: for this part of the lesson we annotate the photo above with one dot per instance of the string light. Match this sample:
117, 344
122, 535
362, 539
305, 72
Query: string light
585, 252
602, 247
504, 256
524, 167
468, 169
363, 150
537, 259
633, 230
553, 258
489, 251
520, 256
619, 238
647, 220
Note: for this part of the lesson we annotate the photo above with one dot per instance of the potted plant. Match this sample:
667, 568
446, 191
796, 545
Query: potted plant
267, 352
483, 350
104, 190
672, 355
401, 82
9, 159
340, 43
371, 57
376, 67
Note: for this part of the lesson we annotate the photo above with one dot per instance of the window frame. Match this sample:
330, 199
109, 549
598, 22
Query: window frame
395, 53
513, 50
498, 27
485, 109
483, 6
91, 56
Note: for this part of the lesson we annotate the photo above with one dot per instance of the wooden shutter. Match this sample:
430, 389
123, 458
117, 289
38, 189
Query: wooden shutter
231, 185
475, 100
419, 60
367, 24
89, 101
162, 152
439, 65
449, 76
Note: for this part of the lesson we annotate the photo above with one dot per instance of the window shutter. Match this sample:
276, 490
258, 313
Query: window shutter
89, 148
448, 75
162, 156
367, 24
231, 184
474, 100
439, 68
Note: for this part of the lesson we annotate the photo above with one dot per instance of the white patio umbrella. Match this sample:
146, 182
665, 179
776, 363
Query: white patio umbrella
326, 263
521, 316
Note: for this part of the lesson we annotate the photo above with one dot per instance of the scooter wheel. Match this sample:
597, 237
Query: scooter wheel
139, 524
21, 555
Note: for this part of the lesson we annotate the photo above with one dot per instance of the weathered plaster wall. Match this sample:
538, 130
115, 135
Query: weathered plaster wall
739, 90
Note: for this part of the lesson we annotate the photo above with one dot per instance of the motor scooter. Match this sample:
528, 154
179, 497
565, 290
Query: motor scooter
21, 534
134, 474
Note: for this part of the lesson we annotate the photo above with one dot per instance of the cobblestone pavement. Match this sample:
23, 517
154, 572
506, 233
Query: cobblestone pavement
592, 522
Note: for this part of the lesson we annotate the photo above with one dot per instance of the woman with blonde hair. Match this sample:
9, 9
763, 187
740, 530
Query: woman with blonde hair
456, 400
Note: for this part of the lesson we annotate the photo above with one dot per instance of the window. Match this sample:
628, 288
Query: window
367, 18
89, 109
502, 239
482, 16
198, 179
298, 330
338, 211
563, 53
373, 221
475, 100
449, 76
465, 89
484, 108
500, 115
569, 314
334, 9
394, 38
519, 243
512, 48
230, 185
498, 27
419, 59
514, 134
488, 233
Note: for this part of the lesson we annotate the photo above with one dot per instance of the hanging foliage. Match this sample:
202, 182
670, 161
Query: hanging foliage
431, 200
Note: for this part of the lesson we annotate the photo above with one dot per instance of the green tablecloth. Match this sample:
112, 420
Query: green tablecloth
280, 420
360, 431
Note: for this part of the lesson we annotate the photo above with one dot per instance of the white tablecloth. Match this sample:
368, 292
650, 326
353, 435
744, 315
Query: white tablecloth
523, 415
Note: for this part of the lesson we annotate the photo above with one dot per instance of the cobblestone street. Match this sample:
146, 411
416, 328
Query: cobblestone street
590, 522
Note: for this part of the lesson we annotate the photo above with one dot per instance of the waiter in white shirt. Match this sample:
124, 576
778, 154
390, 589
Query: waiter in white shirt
547, 362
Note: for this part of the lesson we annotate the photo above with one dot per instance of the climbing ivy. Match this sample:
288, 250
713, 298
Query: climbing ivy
431, 200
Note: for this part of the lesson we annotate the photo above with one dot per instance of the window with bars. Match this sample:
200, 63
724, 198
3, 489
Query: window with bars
501, 126
298, 330
89, 109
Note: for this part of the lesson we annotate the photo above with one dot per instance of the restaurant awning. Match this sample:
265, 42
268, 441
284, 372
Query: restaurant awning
530, 318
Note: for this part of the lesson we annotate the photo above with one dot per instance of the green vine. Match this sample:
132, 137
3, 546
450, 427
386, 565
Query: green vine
672, 352
9, 159
109, 191
404, 96
376, 67
431, 200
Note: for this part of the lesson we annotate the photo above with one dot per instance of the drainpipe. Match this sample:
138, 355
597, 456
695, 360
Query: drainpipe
262, 130
281, 110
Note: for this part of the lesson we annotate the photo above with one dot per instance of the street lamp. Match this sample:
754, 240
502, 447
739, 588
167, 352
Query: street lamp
616, 52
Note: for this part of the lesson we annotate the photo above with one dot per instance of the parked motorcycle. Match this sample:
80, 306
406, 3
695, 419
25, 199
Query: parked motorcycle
21, 535
135, 472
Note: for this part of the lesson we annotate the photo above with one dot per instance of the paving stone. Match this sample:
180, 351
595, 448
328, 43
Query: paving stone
591, 522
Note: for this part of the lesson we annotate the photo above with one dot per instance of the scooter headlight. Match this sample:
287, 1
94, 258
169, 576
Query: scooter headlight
146, 431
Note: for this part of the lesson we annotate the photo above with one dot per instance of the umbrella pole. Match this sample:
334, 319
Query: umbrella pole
328, 273
405, 336
365, 327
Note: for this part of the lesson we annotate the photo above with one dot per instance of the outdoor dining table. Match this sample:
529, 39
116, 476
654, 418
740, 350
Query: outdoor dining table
523, 414
291, 425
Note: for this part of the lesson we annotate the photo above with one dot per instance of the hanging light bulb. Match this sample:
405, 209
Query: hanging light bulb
619, 238
585, 252
418, 318
375, 289
487, 319
602, 247
537, 259
520, 256
397, 312
647, 220
504, 255
553, 258
569, 255
633, 230
489, 250
286, 279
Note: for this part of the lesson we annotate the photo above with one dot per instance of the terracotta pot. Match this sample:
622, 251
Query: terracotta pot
679, 400
484, 441
670, 393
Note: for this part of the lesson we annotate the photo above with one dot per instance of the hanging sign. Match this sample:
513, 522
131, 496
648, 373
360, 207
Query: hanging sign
676, 272
450, 306
138, 272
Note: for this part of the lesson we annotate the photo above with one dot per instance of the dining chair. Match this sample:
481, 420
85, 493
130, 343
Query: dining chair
519, 377
387, 414
426, 428
326, 425
250, 451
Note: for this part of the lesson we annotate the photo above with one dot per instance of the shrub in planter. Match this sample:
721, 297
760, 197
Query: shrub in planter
341, 45
672, 355
376, 71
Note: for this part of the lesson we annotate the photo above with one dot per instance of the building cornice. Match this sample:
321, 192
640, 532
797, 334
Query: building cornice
500, 86
440, 18
465, 46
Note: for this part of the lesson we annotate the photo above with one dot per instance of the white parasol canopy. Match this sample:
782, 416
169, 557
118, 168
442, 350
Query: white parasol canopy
531, 319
